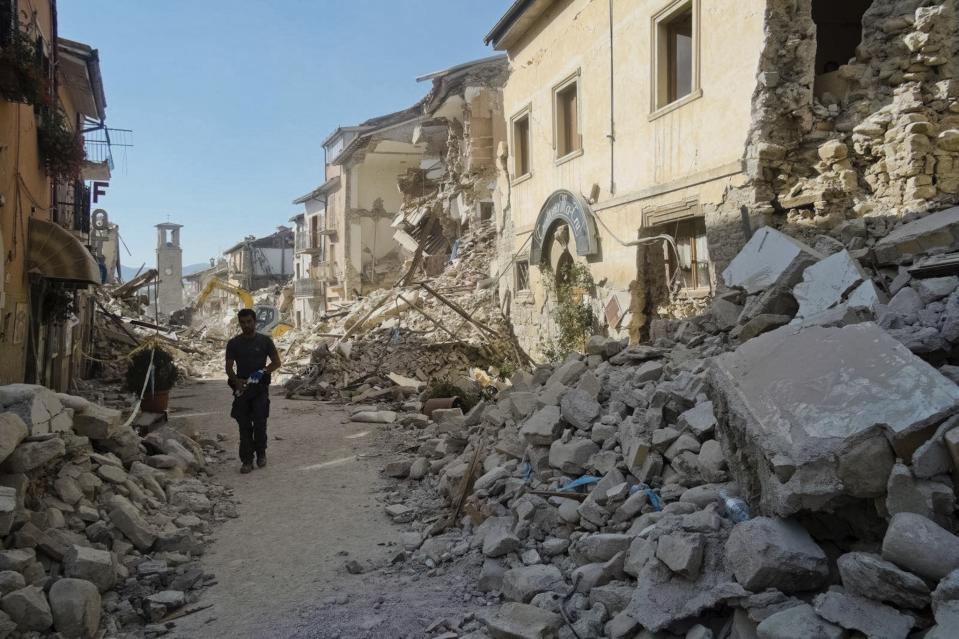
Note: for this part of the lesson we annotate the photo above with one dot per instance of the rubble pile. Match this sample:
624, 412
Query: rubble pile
409, 331
101, 529
780, 467
120, 328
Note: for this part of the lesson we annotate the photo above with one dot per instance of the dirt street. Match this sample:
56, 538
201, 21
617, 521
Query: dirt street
280, 566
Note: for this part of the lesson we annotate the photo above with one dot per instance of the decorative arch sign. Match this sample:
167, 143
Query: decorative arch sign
564, 206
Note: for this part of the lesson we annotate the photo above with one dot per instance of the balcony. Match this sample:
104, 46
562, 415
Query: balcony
323, 272
306, 287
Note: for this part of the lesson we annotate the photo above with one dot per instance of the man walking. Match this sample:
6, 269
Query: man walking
249, 377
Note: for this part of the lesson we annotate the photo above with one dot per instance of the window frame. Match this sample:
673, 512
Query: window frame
572, 80
672, 228
525, 113
659, 58
516, 276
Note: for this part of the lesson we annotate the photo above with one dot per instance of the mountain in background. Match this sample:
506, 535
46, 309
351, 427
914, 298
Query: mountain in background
129, 272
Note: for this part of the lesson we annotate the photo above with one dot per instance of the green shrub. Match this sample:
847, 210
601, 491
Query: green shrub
165, 371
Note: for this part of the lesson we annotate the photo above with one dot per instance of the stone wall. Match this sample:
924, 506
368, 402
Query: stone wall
887, 147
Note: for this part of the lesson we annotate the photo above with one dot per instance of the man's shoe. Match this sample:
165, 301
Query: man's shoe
261, 460
246, 468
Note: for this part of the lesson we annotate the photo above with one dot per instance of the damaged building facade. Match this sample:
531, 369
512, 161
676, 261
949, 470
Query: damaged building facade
452, 189
52, 97
638, 150
400, 189
257, 262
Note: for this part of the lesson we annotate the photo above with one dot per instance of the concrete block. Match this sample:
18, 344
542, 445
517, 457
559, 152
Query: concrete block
775, 553
921, 546
811, 398
938, 230
767, 258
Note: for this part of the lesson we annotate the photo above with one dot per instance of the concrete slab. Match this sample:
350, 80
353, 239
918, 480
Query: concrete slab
939, 230
798, 409
834, 281
768, 257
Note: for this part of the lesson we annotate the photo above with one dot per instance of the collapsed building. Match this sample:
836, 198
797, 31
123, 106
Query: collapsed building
745, 473
654, 175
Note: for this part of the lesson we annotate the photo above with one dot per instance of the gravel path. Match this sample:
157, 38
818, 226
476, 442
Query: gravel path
280, 566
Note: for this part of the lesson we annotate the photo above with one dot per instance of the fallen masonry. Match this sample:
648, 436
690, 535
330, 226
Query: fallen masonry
788, 482
101, 537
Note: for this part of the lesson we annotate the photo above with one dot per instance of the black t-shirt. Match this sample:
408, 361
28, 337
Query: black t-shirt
250, 354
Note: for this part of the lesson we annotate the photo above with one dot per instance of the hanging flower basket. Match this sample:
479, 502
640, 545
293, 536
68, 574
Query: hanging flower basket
21, 73
61, 148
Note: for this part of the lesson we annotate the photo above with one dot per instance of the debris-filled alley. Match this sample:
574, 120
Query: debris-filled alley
566, 347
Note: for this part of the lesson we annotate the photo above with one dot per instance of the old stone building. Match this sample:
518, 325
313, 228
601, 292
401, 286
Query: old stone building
452, 189
51, 93
648, 140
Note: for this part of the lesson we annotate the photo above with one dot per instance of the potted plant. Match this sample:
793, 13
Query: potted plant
165, 373
21, 74
61, 148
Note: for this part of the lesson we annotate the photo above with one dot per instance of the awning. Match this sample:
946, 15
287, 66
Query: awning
54, 253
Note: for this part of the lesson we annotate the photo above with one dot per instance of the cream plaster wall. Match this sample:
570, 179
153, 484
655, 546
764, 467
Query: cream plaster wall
692, 150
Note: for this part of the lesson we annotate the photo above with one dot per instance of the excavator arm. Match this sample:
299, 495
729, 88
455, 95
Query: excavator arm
216, 283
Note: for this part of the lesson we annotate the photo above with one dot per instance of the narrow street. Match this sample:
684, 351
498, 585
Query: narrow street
280, 566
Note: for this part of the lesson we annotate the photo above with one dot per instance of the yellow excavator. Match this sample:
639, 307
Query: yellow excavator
267, 317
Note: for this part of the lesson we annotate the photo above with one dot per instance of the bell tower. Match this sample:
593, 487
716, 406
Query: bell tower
170, 268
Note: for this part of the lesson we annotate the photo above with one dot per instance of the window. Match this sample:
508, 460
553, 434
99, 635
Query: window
676, 53
566, 110
693, 259
521, 159
486, 211
522, 275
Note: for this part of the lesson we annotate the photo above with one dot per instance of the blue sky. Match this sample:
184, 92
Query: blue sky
230, 99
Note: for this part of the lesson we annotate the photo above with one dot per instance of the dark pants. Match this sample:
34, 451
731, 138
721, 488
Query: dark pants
251, 410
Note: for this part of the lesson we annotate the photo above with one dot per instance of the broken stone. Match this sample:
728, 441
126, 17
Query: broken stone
775, 553
920, 546
930, 499
491, 575
829, 283
37, 406
543, 427
75, 605
375, 417
798, 622
599, 548
698, 420
573, 456
30, 455
128, 520
90, 564
17, 559
521, 621
12, 432
499, 539
935, 288
97, 422
872, 577
398, 469
767, 258
682, 553
28, 608
938, 230
579, 409
524, 582
813, 397
762, 323
865, 615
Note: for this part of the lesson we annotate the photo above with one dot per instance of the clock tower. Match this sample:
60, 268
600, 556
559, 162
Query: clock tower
170, 268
